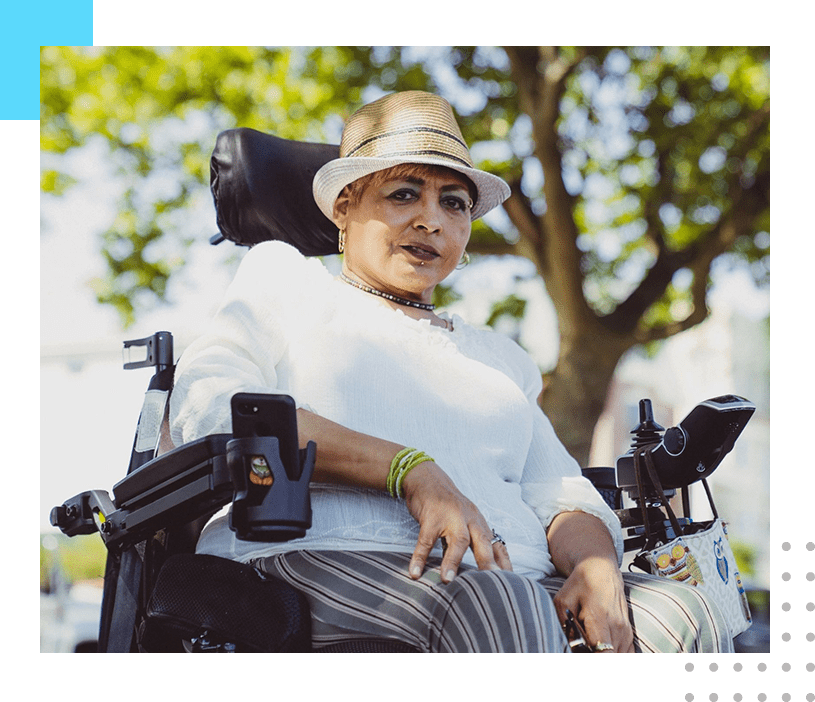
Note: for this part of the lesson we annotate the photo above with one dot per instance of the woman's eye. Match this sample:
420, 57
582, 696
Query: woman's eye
456, 203
403, 195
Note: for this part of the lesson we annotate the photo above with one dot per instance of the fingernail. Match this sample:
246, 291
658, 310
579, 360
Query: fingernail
415, 571
449, 575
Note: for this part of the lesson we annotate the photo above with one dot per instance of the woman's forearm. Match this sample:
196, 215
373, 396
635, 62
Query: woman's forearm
345, 456
576, 536
350, 458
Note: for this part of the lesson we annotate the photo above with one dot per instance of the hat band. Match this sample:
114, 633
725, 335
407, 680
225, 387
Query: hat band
408, 130
425, 152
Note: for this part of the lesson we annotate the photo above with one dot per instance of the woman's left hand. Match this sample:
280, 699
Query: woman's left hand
583, 552
594, 592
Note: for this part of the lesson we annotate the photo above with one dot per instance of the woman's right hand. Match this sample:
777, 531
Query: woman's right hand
443, 512
347, 457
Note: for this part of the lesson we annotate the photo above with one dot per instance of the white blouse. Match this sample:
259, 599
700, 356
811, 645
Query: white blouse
466, 397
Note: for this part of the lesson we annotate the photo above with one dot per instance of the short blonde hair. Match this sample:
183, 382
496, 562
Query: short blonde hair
354, 190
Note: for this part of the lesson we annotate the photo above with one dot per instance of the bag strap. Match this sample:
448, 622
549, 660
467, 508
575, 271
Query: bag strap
638, 473
116, 633
652, 472
710, 498
644, 453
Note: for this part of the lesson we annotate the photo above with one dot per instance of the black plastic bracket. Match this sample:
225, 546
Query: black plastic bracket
85, 513
159, 347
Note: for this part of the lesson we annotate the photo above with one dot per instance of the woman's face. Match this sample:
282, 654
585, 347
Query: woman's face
406, 234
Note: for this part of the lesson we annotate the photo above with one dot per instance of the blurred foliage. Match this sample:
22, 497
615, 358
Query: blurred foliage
445, 295
76, 558
159, 110
654, 142
745, 556
512, 306
632, 169
697, 138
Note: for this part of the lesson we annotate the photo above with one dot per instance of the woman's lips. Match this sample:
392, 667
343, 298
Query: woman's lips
423, 253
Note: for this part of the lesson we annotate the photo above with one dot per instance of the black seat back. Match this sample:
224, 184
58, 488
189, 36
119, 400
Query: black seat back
261, 186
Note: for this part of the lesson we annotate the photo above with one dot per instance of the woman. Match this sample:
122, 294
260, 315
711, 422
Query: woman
445, 510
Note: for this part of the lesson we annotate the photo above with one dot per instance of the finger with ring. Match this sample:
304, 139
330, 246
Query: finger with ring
496, 539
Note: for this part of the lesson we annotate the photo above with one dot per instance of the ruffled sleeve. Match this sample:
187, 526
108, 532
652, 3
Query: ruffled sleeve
552, 481
242, 344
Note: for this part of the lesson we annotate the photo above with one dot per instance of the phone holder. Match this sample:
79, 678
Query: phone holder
270, 502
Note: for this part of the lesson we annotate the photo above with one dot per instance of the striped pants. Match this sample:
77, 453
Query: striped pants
370, 595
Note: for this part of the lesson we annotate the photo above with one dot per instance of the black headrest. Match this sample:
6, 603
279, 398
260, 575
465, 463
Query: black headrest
261, 185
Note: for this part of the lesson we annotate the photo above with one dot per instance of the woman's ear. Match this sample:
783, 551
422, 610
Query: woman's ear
341, 206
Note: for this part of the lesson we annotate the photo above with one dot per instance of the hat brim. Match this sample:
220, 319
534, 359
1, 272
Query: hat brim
335, 175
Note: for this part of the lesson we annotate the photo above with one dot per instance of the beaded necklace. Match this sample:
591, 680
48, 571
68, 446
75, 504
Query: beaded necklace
387, 296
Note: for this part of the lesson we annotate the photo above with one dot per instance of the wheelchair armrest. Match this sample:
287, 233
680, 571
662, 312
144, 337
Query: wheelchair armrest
601, 477
605, 483
161, 472
174, 489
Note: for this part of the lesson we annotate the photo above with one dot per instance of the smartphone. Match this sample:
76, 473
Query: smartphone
268, 415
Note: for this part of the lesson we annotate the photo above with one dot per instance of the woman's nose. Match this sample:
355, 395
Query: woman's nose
429, 216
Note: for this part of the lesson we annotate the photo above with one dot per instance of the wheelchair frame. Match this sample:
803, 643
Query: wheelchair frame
159, 508
157, 511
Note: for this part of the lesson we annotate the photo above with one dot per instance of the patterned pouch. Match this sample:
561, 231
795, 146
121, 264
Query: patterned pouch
705, 560
700, 557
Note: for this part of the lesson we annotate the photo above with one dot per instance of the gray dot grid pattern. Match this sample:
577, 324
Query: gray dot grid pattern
761, 666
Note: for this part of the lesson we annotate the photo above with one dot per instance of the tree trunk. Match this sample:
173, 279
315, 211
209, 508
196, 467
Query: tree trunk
591, 344
575, 391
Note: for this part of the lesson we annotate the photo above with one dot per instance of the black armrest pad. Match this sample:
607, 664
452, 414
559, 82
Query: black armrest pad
604, 478
604, 481
168, 465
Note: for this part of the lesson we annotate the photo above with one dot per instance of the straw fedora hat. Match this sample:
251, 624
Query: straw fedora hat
407, 127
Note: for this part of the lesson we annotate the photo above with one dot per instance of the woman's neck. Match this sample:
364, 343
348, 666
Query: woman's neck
408, 307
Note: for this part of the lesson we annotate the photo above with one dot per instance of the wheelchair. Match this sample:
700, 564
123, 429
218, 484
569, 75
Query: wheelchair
159, 596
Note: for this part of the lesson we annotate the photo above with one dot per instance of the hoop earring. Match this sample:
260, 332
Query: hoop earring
465, 261
342, 240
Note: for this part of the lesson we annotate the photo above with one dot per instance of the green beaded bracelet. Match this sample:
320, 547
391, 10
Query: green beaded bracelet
403, 462
418, 458
394, 470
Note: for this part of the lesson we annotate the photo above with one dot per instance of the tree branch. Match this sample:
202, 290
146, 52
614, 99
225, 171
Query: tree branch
541, 79
520, 212
528, 224
698, 314
523, 67
493, 248
627, 315
746, 205
700, 255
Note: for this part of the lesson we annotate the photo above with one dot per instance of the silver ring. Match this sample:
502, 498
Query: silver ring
496, 539
602, 646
